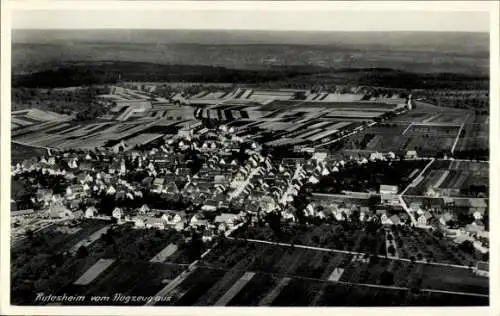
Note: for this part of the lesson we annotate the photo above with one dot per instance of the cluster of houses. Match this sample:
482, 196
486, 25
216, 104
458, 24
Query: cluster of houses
219, 184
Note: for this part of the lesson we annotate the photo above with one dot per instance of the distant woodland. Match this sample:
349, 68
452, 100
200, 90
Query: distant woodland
299, 77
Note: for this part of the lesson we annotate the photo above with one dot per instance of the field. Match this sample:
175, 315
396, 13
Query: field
99, 133
454, 178
284, 276
248, 273
421, 244
128, 278
126, 243
369, 176
428, 129
53, 238
21, 152
418, 244
36, 262
475, 134
130, 252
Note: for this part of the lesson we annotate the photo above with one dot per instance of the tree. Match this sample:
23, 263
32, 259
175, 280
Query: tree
386, 278
415, 285
391, 250
82, 252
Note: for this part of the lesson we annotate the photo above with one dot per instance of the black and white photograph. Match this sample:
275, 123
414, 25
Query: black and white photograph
249, 157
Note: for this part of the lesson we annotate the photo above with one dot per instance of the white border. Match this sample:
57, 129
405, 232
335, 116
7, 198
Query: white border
7, 7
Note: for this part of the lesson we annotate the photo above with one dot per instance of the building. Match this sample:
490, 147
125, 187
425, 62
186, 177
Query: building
482, 269
411, 154
388, 194
227, 218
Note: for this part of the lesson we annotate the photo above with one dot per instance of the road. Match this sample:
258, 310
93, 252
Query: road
243, 185
458, 137
296, 174
419, 175
347, 135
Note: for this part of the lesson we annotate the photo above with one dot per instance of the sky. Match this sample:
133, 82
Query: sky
307, 20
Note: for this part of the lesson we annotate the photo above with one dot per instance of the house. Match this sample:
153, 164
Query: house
209, 205
289, 215
388, 193
475, 227
376, 156
44, 195
479, 246
158, 185
15, 213
58, 210
154, 222
482, 269
411, 154
144, 209
395, 220
478, 205
171, 188
179, 217
90, 212
445, 219
207, 236
200, 223
117, 213
73, 191
386, 220
477, 215
424, 218
139, 222
227, 218
110, 190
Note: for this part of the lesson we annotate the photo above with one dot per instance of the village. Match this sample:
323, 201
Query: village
214, 182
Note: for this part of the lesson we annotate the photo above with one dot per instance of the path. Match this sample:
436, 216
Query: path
457, 138
347, 135
349, 252
286, 278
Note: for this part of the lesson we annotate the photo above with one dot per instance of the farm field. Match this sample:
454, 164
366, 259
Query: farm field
475, 134
428, 129
454, 179
21, 152
96, 134
128, 278
422, 244
391, 139
54, 238
415, 244
127, 243
279, 273
369, 176
431, 114
331, 236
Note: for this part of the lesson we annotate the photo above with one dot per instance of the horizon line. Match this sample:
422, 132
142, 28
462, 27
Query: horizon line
244, 30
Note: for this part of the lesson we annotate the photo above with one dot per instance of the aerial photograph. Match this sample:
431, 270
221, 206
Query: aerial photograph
244, 164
